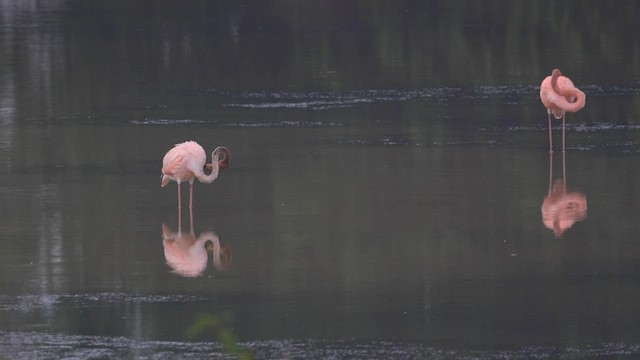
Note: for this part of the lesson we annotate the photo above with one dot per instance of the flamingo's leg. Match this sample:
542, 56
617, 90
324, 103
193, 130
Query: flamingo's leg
550, 138
190, 194
564, 172
179, 202
563, 116
179, 211
550, 171
191, 221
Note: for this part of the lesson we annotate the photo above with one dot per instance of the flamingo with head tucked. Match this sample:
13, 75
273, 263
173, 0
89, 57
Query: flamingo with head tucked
186, 162
559, 96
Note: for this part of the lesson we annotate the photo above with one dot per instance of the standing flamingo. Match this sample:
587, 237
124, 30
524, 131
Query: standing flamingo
186, 161
559, 95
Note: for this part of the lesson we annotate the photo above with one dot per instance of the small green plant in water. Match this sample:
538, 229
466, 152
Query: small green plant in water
205, 322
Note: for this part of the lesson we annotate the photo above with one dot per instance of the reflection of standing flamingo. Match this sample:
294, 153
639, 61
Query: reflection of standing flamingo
562, 209
187, 255
186, 161
559, 95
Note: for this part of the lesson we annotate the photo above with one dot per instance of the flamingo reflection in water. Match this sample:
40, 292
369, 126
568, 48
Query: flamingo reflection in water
561, 209
187, 255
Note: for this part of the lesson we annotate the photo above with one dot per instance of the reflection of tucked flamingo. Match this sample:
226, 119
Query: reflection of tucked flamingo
187, 255
186, 162
559, 95
562, 209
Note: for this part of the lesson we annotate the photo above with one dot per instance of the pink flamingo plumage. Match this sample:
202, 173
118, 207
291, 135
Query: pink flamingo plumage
187, 161
559, 96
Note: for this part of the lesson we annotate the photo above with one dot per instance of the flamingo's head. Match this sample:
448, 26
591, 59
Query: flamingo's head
223, 162
224, 258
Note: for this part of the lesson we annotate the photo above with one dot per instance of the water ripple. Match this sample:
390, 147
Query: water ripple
333, 100
38, 345
28, 345
310, 349
581, 127
29, 302
269, 124
317, 100
167, 122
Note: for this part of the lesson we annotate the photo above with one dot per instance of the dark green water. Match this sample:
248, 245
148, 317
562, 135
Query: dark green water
385, 197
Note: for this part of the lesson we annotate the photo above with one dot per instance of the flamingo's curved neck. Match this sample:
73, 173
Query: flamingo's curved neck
555, 74
226, 156
215, 168
569, 99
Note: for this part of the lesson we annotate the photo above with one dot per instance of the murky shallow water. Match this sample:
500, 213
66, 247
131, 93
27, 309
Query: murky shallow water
366, 214
344, 239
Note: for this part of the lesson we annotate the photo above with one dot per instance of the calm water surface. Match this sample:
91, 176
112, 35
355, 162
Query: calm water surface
383, 201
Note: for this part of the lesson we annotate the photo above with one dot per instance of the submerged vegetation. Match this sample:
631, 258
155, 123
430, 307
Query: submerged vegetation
206, 323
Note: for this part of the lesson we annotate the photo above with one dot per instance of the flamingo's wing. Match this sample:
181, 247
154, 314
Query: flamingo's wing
177, 164
546, 91
172, 162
